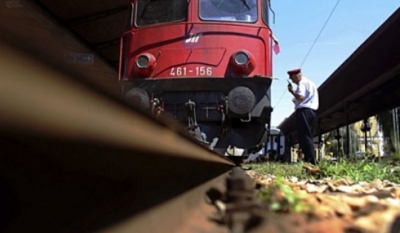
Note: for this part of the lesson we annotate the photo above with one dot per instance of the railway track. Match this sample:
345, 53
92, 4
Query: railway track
77, 160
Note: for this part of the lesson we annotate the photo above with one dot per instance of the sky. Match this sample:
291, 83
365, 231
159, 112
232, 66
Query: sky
297, 25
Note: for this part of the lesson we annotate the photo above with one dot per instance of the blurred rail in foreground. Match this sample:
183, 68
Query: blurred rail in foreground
76, 160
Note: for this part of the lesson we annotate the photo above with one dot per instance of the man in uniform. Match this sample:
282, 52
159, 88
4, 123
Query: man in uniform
306, 105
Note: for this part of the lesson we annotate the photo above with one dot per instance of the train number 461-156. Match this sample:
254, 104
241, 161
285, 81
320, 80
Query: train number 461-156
185, 71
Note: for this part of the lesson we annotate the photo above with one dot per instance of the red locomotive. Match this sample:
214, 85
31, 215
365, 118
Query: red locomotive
208, 63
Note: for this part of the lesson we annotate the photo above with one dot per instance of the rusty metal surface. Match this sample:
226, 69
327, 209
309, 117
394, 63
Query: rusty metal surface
75, 160
232, 206
242, 205
364, 85
189, 212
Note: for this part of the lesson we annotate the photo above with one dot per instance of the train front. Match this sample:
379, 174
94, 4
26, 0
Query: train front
208, 63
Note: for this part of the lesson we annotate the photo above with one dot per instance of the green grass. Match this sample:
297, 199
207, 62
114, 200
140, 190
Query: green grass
287, 201
360, 170
279, 169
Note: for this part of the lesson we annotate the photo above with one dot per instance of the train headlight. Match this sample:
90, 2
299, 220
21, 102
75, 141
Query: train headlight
143, 61
144, 64
242, 62
241, 58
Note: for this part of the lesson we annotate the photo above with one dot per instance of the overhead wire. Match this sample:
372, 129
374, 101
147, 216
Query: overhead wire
319, 34
312, 46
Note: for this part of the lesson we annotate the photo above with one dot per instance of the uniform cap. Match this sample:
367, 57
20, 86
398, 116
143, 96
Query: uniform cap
295, 71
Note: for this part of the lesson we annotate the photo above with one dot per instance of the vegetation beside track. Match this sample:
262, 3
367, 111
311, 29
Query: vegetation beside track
332, 197
356, 170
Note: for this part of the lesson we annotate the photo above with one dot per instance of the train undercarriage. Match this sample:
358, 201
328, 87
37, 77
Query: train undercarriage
230, 115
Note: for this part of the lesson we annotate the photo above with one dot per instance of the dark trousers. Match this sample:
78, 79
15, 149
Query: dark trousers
306, 121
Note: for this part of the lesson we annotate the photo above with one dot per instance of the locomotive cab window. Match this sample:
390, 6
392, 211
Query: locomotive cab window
233, 10
151, 12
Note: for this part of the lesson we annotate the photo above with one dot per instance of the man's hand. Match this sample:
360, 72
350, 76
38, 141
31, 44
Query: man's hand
290, 88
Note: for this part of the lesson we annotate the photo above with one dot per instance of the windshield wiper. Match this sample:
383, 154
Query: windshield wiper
246, 4
144, 8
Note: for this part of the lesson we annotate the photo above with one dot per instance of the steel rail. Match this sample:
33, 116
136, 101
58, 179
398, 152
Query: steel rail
189, 212
45, 101
74, 160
